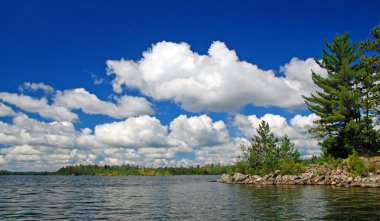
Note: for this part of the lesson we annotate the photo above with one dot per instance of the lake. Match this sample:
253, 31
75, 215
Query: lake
177, 198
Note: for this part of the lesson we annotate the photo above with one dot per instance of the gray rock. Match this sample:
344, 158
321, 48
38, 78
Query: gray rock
226, 178
239, 177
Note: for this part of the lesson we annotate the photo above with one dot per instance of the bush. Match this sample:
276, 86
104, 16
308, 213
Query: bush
241, 166
335, 162
290, 166
357, 165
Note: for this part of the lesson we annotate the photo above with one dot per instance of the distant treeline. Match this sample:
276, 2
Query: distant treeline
5, 172
126, 170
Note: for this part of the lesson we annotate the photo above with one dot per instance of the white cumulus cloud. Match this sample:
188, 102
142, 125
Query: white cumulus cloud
218, 81
198, 131
40, 106
126, 106
134, 132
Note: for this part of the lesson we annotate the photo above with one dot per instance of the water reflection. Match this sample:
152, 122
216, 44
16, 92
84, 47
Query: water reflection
177, 198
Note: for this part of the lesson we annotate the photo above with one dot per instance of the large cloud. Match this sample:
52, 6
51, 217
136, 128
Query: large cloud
127, 106
29, 144
296, 129
216, 82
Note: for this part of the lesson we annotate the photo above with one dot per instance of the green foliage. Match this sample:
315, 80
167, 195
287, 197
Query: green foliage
312, 161
127, 170
335, 162
266, 154
375, 44
290, 166
241, 166
336, 104
349, 98
263, 155
287, 150
357, 165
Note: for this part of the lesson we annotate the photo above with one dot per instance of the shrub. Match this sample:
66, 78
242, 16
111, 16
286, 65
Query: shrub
356, 164
290, 166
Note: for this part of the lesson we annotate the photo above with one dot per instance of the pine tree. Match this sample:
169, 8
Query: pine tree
369, 78
263, 153
337, 103
287, 150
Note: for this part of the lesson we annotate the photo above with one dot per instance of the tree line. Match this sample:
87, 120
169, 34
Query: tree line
127, 170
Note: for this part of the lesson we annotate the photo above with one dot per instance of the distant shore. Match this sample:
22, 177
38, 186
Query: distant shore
129, 170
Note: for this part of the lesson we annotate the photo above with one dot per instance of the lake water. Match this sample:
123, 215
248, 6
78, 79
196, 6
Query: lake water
177, 198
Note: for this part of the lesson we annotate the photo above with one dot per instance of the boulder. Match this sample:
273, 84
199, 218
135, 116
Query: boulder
239, 177
225, 178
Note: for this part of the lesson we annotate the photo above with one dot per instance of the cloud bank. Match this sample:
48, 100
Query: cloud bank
44, 133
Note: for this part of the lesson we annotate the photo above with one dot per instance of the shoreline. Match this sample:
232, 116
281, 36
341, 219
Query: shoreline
340, 177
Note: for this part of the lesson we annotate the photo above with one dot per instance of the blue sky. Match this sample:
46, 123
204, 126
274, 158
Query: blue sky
67, 96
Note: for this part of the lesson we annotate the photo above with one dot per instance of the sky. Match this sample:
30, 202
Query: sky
160, 83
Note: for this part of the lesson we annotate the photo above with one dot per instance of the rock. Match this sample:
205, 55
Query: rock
339, 177
239, 177
318, 178
349, 179
225, 178
278, 178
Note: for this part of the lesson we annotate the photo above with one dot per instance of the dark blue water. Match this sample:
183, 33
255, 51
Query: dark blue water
177, 198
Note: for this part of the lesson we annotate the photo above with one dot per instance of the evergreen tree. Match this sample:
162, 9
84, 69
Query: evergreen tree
375, 44
287, 150
337, 103
263, 153
369, 78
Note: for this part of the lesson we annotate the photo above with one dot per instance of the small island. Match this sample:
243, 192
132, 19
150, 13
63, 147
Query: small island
347, 106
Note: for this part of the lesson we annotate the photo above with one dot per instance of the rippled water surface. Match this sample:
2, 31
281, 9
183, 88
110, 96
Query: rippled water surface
176, 198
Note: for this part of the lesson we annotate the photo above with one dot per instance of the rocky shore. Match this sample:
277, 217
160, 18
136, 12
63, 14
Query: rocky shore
313, 176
